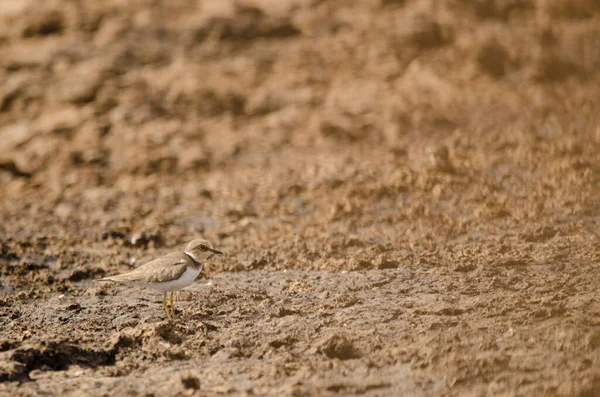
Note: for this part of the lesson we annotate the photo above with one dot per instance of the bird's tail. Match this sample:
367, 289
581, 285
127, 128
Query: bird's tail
121, 278
110, 278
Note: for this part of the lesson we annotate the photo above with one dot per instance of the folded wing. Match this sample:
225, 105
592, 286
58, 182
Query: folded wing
167, 268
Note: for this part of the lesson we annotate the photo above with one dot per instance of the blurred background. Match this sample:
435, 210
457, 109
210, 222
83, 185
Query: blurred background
459, 138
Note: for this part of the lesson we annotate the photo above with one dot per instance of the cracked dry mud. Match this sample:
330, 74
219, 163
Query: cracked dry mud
407, 193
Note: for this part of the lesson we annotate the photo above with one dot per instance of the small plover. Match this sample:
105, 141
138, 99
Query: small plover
171, 272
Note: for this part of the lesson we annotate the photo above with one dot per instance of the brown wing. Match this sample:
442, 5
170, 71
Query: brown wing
165, 268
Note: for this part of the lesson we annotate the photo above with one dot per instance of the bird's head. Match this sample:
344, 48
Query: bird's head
200, 250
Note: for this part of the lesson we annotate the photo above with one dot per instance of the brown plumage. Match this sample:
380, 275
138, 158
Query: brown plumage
166, 268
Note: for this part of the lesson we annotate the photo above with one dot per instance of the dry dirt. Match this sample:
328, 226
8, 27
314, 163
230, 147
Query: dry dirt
407, 192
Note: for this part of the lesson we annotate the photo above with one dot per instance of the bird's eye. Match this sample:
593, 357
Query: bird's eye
203, 247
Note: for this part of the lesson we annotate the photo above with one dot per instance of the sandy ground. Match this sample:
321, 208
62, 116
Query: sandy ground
407, 193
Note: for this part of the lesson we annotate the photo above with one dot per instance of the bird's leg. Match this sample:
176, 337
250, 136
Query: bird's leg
172, 306
165, 306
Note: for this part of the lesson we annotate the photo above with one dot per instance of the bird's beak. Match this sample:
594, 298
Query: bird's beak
215, 251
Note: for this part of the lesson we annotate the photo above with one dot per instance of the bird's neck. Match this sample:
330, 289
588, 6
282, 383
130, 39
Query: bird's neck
196, 264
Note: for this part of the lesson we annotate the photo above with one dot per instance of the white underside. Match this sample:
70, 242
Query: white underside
186, 279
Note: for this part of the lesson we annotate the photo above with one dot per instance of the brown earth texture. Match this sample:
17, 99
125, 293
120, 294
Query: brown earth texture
407, 193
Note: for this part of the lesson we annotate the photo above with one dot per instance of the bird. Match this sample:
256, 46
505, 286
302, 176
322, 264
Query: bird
171, 272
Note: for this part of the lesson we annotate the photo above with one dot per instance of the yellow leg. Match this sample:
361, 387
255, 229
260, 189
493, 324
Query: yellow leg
172, 306
165, 306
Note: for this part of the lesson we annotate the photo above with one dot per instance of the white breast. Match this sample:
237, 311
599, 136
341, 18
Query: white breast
186, 279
